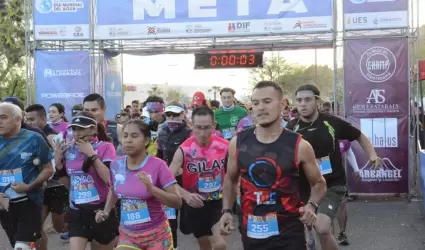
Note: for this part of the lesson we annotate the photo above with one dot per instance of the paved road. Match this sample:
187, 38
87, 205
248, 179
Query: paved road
383, 225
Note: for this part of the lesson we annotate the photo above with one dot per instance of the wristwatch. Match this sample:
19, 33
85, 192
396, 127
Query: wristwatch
226, 211
314, 205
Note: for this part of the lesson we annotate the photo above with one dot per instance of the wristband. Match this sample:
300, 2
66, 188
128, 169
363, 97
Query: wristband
224, 211
93, 158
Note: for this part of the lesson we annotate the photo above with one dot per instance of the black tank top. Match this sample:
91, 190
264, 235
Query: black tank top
269, 178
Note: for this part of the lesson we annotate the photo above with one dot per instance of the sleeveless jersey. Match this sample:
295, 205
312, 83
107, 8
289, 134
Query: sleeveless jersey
269, 185
204, 167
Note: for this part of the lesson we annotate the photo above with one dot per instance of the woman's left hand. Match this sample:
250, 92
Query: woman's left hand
146, 180
85, 148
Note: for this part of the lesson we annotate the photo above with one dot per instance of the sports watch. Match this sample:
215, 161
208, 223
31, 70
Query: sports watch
314, 205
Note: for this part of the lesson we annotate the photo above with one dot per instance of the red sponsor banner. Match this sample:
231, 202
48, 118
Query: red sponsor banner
377, 101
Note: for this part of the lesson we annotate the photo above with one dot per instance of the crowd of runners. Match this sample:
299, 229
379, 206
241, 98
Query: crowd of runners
271, 172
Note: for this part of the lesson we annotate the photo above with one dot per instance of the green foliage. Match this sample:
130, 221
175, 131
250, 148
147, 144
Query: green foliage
12, 50
215, 90
290, 76
176, 94
155, 90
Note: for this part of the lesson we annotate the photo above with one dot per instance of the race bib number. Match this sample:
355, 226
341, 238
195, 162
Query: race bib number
325, 165
228, 133
262, 227
209, 183
83, 189
134, 212
170, 212
154, 135
8, 177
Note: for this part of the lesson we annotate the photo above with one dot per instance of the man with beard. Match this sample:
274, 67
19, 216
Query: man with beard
267, 159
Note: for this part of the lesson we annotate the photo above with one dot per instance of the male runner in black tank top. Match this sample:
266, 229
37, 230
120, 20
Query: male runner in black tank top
268, 158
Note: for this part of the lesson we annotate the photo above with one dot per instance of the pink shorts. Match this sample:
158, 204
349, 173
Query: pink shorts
159, 238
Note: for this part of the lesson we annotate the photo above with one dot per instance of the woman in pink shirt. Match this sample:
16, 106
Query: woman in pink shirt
143, 183
86, 160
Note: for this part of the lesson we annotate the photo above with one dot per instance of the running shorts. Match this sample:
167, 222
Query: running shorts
22, 222
199, 221
159, 238
332, 200
82, 223
56, 199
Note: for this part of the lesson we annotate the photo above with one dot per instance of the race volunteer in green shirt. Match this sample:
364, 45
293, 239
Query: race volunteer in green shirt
228, 116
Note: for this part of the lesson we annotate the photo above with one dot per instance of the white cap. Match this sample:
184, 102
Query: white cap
174, 109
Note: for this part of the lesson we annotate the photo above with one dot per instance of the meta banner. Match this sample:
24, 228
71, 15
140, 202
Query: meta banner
375, 14
376, 85
143, 19
61, 19
113, 84
62, 77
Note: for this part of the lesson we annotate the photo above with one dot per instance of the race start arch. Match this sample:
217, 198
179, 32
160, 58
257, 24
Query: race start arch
75, 47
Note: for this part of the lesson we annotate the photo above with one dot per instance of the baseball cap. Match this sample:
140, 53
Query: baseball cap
174, 109
198, 98
82, 122
16, 101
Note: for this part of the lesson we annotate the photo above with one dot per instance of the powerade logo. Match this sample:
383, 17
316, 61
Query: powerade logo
62, 95
47, 6
62, 72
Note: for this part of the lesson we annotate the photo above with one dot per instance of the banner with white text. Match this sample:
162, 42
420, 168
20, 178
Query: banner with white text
149, 19
62, 77
113, 84
376, 85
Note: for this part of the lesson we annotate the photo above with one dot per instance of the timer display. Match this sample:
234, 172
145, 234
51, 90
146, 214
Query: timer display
229, 60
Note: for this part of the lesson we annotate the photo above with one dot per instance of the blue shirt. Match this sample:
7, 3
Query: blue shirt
17, 156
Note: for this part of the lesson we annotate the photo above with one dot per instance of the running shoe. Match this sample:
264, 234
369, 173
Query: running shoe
342, 239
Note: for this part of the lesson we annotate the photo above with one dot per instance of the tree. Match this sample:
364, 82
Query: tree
176, 94
155, 90
215, 90
12, 50
422, 42
272, 69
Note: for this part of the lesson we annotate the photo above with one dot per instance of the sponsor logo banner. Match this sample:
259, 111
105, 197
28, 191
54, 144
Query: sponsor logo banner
61, 19
375, 14
377, 101
140, 19
62, 77
113, 88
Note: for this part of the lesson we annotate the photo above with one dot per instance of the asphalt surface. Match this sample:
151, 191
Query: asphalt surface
382, 225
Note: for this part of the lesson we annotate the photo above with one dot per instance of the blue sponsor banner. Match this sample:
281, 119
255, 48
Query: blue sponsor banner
62, 77
112, 84
187, 18
61, 19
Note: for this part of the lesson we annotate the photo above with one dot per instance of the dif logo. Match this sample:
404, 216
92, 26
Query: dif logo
241, 26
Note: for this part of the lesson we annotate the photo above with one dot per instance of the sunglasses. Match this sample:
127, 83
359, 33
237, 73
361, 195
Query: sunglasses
171, 114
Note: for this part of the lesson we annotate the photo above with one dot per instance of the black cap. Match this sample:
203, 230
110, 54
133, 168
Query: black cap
16, 101
83, 122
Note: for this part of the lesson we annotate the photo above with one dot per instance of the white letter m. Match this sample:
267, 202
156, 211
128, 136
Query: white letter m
153, 8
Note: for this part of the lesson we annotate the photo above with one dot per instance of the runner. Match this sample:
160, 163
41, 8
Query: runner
76, 109
229, 114
25, 164
323, 132
57, 117
87, 160
203, 158
267, 158
143, 183
174, 132
135, 107
155, 106
95, 104
55, 193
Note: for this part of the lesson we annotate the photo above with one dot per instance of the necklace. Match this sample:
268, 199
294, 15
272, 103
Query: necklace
311, 124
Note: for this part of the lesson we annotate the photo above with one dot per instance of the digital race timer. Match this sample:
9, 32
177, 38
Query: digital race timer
229, 59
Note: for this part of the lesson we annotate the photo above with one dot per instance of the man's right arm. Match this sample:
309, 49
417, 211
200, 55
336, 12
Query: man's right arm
307, 160
175, 167
230, 185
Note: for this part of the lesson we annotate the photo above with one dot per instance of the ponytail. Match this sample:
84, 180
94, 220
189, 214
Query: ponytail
101, 133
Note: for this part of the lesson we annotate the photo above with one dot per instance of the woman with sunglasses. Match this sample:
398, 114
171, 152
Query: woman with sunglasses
86, 160
143, 183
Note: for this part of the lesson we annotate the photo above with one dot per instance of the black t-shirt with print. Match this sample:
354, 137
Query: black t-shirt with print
324, 134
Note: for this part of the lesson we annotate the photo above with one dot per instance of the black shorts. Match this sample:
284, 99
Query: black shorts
199, 221
284, 241
22, 222
82, 223
56, 199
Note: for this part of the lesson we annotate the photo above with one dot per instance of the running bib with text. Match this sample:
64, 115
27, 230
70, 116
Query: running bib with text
262, 227
325, 165
83, 189
209, 183
8, 177
134, 212
170, 212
